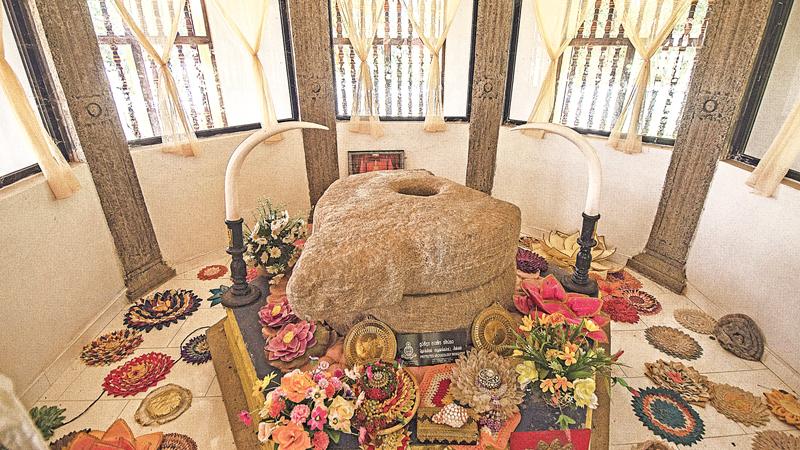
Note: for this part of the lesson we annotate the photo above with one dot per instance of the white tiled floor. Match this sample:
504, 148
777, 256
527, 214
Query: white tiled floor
206, 420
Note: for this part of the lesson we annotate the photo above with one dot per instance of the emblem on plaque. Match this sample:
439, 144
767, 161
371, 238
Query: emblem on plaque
493, 330
369, 341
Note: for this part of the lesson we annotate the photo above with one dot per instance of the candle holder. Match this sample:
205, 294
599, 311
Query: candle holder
241, 293
579, 280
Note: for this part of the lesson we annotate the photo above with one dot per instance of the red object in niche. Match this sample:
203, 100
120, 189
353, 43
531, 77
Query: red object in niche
363, 162
524, 440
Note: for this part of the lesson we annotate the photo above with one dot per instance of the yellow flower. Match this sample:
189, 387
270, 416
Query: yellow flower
584, 391
339, 414
526, 373
547, 385
562, 383
568, 358
275, 252
570, 347
590, 326
516, 352
552, 354
262, 384
527, 324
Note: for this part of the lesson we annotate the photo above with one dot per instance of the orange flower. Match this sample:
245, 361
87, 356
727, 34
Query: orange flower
570, 347
291, 437
556, 318
552, 354
547, 385
568, 358
296, 385
562, 383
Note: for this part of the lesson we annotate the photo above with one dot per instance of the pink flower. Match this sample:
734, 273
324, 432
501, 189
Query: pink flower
276, 314
318, 418
245, 418
335, 382
300, 413
320, 440
291, 342
362, 435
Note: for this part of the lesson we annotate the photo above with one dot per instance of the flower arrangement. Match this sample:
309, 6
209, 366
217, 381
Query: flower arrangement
387, 399
275, 241
560, 360
308, 410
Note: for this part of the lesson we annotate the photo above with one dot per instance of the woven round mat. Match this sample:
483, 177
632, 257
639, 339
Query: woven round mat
739, 334
668, 415
695, 320
775, 440
673, 342
177, 441
161, 309
785, 406
138, 375
643, 302
685, 380
111, 347
212, 272
196, 351
739, 405
653, 444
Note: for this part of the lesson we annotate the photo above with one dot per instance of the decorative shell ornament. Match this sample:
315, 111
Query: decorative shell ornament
695, 320
775, 440
486, 382
685, 380
451, 415
673, 342
739, 334
561, 249
785, 406
739, 405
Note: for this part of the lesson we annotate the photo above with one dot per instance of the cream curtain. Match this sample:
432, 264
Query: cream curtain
55, 168
156, 31
431, 20
361, 18
780, 156
557, 23
246, 19
647, 24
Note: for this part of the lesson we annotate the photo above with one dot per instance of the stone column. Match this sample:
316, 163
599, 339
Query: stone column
719, 83
489, 74
311, 41
76, 58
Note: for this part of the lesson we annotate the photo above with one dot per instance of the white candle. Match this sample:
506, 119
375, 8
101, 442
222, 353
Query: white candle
240, 154
592, 207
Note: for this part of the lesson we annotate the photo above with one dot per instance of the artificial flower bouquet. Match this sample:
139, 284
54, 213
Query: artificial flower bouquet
275, 241
308, 410
560, 360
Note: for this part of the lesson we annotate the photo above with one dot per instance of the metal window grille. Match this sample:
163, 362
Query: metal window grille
595, 73
399, 63
133, 75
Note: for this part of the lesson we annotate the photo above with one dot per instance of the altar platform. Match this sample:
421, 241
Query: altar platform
237, 348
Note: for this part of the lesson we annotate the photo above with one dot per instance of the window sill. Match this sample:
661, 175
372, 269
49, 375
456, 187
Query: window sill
32, 181
746, 167
603, 136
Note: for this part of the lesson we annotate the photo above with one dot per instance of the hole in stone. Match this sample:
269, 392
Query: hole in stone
418, 190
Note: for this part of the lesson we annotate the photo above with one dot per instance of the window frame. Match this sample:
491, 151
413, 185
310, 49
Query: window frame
757, 86
22, 24
290, 75
512, 59
465, 118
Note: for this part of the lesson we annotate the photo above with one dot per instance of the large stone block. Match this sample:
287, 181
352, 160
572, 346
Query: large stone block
420, 252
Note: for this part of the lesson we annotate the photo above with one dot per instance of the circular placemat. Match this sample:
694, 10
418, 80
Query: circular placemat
212, 272
673, 342
653, 444
177, 441
739, 334
138, 374
785, 406
163, 405
668, 415
369, 341
695, 320
111, 347
196, 351
627, 280
493, 329
739, 405
685, 380
619, 310
643, 302
775, 440
161, 310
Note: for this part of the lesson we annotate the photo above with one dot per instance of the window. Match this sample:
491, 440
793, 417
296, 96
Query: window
598, 69
773, 89
213, 85
25, 56
400, 65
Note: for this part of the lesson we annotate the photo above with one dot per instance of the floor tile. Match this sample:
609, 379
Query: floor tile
60, 385
202, 318
214, 390
626, 428
99, 417
152, 339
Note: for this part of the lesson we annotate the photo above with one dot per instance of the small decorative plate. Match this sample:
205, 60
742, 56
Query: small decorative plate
785, 406
163, 405
368, 341
493, 330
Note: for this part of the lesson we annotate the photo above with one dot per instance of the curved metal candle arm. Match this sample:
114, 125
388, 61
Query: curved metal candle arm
240, 154
242, 293
580, 281
592, 160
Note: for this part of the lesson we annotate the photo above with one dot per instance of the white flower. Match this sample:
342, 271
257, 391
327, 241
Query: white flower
593, 404
275, 252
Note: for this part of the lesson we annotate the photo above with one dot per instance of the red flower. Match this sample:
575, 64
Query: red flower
320, 440
138, 374
245, 418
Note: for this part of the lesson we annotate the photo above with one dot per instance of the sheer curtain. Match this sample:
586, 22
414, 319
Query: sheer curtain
156, 27
246, 20
647, 24
779, 157
360, 19
55, 168
431, 20
557, 23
